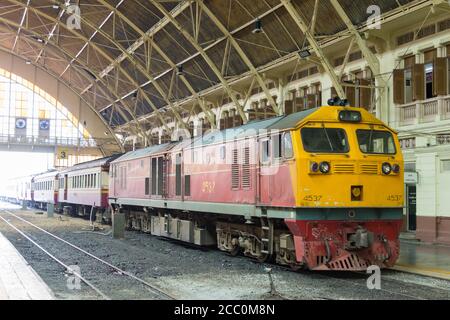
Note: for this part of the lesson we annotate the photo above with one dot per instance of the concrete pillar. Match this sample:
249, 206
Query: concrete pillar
50, 210
118, 225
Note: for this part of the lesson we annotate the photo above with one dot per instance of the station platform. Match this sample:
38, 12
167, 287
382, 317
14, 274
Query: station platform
424, 259
18, 281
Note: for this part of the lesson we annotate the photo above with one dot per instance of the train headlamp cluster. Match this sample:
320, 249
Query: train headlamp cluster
388, 168
323, 167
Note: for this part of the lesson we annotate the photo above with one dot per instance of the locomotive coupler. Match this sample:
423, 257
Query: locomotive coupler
360, 239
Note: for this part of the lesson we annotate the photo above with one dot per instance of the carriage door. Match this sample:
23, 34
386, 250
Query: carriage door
66, 184
158, 177
264, 171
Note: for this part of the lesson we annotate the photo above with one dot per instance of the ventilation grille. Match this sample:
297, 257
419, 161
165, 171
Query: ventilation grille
369, 168
350, 262
246, 169
235, 170
344, 168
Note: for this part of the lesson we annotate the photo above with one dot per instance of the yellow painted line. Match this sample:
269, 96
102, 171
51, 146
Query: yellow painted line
430, 272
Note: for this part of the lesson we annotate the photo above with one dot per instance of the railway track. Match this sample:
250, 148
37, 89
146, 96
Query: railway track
392, 288
160, 294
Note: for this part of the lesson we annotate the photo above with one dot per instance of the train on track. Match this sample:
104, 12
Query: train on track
320, 189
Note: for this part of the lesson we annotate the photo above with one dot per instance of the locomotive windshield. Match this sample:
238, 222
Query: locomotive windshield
325, 140
376, 142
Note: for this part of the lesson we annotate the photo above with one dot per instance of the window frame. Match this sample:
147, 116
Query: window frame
376, 153
325, 152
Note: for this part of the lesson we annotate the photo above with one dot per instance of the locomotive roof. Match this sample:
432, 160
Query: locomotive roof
145, 152
252, 128
93, 163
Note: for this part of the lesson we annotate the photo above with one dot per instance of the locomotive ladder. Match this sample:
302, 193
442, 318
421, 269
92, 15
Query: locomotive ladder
266, 234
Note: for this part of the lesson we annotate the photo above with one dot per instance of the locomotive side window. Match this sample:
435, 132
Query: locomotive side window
288, 149
325, 140
265, 152
376, 142
276, 146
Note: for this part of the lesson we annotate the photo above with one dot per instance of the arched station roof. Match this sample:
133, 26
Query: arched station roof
132, 60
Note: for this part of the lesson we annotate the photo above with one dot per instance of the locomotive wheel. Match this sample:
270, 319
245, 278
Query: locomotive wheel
264, 258
235, 251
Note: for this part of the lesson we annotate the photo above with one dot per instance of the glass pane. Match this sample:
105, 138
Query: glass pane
376, 142
325, 140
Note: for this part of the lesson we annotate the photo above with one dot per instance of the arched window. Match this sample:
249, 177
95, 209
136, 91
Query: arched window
30, 114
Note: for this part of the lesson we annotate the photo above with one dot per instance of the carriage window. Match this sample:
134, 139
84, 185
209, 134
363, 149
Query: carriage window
288, 150
376, 142
325, 140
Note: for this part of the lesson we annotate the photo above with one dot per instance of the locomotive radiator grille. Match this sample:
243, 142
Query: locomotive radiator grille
246, 169
235, 181
344, 168
369, 168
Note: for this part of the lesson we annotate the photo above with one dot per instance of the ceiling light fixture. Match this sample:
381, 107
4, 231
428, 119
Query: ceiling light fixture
304, 54
258, 26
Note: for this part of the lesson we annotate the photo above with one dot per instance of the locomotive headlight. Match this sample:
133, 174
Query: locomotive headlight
325, 167
396, 169
314, 167
387, 168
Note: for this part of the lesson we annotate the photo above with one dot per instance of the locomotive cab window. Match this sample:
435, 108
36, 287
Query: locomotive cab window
376, 142
325, 140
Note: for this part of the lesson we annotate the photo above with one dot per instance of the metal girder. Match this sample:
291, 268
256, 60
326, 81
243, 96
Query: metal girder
22, 21
243, 56
346, 58
207, 59
315, 46
88, 42
372, 60
68, 54
145, 71
51, 33
175, 12
147, 35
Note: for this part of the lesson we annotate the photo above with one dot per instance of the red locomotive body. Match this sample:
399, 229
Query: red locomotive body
270, 189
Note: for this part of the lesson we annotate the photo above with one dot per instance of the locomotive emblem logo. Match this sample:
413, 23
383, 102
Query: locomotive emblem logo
21, 123
44, 125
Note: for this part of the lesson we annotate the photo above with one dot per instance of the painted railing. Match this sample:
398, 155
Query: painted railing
431, 110
43, 141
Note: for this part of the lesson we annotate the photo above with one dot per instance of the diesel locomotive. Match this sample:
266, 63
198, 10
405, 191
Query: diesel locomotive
320, 189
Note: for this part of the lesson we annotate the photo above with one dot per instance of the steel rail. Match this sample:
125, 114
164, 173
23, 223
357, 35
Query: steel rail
126, 273
87, 282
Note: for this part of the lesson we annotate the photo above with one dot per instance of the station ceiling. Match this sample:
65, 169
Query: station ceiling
134, 60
